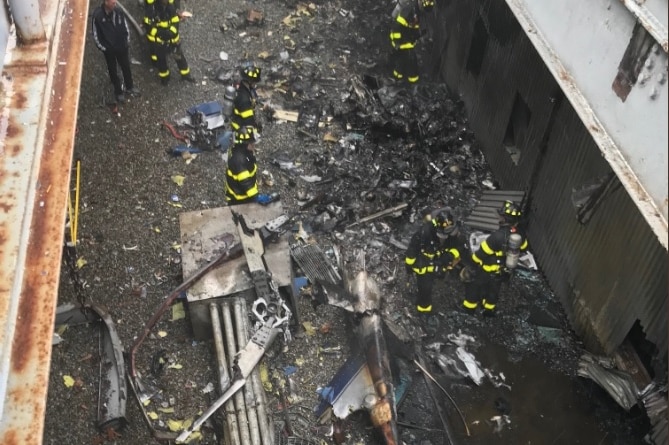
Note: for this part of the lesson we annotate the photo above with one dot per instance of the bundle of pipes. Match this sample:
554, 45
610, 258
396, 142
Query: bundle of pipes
247, 420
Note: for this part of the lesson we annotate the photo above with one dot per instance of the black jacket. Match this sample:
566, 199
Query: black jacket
240, 176
244, 105
428, 253
491, 255
110, 31
162, 21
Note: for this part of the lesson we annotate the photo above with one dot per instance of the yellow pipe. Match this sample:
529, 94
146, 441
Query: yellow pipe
76, 203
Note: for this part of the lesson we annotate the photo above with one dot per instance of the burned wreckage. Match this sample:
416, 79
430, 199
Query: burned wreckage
397, 155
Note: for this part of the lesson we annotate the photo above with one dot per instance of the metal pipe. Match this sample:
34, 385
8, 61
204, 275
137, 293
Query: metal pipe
26, 15
231, 419
266, 430
241, 314
223, 374
239, 406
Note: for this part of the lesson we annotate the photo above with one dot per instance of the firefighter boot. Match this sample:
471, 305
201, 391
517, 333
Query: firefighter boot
488, 308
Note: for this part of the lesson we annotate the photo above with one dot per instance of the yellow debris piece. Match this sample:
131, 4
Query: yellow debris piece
178, 180
162, 334
264, 377
81, 262
152, 415
68, 381
309, 328
178, 311
175, 425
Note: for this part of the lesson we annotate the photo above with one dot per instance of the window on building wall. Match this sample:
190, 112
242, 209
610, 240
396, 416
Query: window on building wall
477, 47
516, 129
591, 194
633, 60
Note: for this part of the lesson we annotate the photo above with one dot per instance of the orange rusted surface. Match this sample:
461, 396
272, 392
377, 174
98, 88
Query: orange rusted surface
38, 117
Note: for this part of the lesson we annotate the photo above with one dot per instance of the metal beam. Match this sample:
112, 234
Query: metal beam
38, 108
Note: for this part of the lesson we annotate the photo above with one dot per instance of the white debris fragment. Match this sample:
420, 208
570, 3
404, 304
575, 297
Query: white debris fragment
471, 364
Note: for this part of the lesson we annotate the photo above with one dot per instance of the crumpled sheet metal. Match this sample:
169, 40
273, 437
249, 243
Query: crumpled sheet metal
113, 389
620, 385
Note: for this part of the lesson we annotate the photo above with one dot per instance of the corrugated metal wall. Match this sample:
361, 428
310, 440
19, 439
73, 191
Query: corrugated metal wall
608, 272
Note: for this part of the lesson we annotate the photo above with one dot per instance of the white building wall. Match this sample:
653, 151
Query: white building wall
583, 43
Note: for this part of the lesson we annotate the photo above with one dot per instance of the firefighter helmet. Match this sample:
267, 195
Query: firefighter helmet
250, 73
426, 4
444, 221
510, 211
246, 135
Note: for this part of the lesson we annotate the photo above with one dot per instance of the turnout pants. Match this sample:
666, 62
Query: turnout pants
404, 64
161, 53
483, 290
425, 284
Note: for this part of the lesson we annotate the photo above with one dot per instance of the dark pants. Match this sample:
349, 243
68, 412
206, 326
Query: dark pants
483, 289
162, 52
120, 57
404, 65
425, 284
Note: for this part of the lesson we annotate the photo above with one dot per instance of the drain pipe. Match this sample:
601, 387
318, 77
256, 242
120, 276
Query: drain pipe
240, 406
241, 314
223, 374
266, 432
26, 16
229, 406
230, 412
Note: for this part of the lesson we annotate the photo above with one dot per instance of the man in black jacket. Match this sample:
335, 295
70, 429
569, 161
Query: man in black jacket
111, 36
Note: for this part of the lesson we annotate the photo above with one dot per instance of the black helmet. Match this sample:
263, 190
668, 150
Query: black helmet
426, 4
246, 135
510, 211
444, 221
250, 73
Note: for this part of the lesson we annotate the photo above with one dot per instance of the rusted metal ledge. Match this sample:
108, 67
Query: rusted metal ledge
40, 95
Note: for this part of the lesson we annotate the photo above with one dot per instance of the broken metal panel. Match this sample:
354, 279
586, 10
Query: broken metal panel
484, 216
204, 234
654, 399
314, 263
113, 388
40, 91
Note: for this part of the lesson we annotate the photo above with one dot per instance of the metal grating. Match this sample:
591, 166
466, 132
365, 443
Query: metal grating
314, 263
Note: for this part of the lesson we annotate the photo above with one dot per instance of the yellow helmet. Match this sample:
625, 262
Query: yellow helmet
245, 135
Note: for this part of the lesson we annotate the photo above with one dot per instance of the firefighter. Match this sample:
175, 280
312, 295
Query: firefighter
161, 21
433, 250
244, 104
489, 262
241, 184
404, 35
